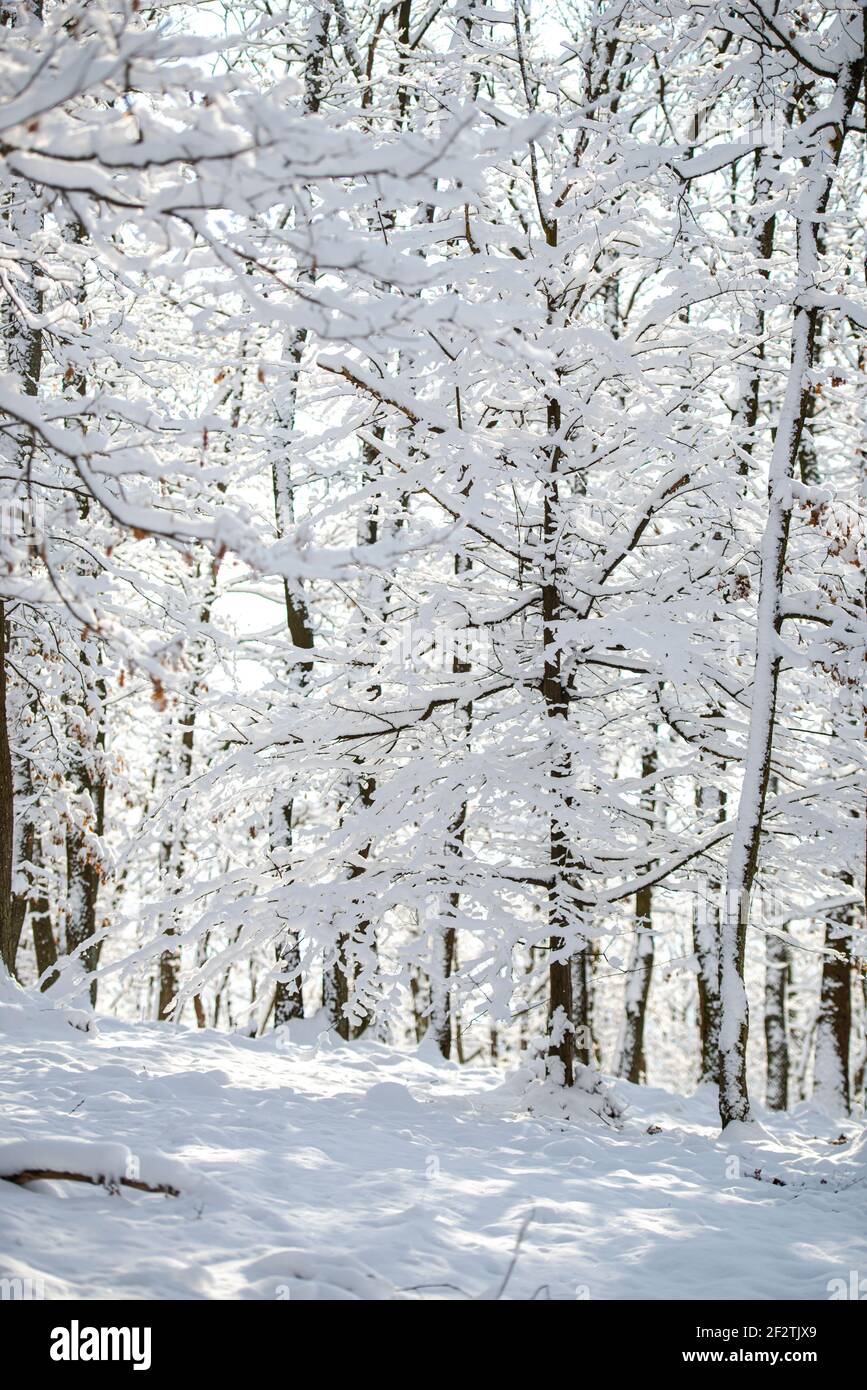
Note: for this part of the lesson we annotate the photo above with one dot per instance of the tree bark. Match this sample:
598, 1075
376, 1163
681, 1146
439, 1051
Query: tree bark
446, 945
777, 970
831, 1084
705, 935
561, 1038
176, 849
83, 870
8, 934
631, 1061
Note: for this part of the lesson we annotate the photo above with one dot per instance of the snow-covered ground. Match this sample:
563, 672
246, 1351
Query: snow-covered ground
309, 1170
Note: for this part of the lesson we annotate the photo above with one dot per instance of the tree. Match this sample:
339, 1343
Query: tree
819, 163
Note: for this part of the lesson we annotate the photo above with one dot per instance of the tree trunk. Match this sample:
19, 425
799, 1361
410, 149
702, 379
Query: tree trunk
445, 953
446, 947
705, 935
39, 907
420, 1014
289, 997
561, 1038
83, 869
777, 975
288, 993
631, 1062
24, 849
44, 943
859, 1069
176, 850
342, 972
831, 1088
746, 840
580, 968
23, 351
82, 888
777, 970
8, 934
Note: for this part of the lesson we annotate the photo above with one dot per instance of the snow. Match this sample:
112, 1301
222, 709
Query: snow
319, 1171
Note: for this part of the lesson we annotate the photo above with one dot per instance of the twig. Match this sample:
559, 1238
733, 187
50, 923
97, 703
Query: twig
515, 1253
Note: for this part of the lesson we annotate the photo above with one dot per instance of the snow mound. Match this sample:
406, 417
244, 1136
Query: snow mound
308, 1276
28, 1014
390, 1095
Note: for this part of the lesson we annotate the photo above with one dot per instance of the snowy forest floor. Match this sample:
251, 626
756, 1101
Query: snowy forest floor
330, 1171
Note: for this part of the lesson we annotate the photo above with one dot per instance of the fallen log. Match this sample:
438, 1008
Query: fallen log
111, 1185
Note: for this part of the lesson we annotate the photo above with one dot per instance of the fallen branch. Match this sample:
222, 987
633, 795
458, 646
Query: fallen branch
111, 1185
777, 1182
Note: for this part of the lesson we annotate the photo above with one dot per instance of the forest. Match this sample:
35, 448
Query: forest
433, 438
